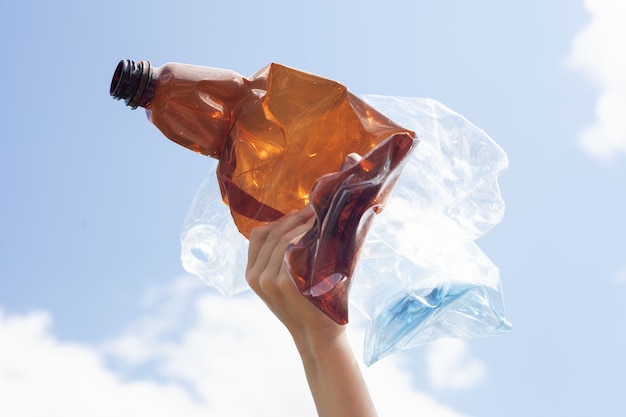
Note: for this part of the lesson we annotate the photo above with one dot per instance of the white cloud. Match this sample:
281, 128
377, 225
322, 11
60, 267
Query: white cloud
206, 354
41, 376
450, 366
598, 51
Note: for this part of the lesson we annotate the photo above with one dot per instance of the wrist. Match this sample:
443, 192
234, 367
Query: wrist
319, 347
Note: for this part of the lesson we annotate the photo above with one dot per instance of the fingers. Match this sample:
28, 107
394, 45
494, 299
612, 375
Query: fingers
264, 238
270, 280
268, 244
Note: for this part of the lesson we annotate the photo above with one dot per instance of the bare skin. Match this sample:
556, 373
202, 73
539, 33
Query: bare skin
331, 368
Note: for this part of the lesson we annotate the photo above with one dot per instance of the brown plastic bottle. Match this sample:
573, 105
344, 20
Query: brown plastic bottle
278, 135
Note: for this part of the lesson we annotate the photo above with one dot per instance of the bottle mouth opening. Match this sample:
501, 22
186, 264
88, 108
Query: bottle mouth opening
130, 82
117, 77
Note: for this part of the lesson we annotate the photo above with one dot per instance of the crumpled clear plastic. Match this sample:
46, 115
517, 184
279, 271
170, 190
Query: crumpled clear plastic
420, 274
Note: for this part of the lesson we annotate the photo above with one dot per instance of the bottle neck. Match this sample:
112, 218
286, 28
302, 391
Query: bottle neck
134, 83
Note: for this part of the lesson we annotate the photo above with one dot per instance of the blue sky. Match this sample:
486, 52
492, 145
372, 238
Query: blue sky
91, 286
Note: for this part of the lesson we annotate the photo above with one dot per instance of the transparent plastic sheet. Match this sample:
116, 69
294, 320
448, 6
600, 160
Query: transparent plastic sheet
420, 274
211, 246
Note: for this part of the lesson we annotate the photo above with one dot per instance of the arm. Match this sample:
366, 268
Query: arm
331, 369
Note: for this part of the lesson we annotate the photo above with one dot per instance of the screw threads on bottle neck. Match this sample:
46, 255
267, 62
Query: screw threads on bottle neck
132, 83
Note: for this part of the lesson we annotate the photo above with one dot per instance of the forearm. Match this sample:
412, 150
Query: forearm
335, 379
331, 369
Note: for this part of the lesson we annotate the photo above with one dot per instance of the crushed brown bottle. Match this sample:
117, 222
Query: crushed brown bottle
281, 137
